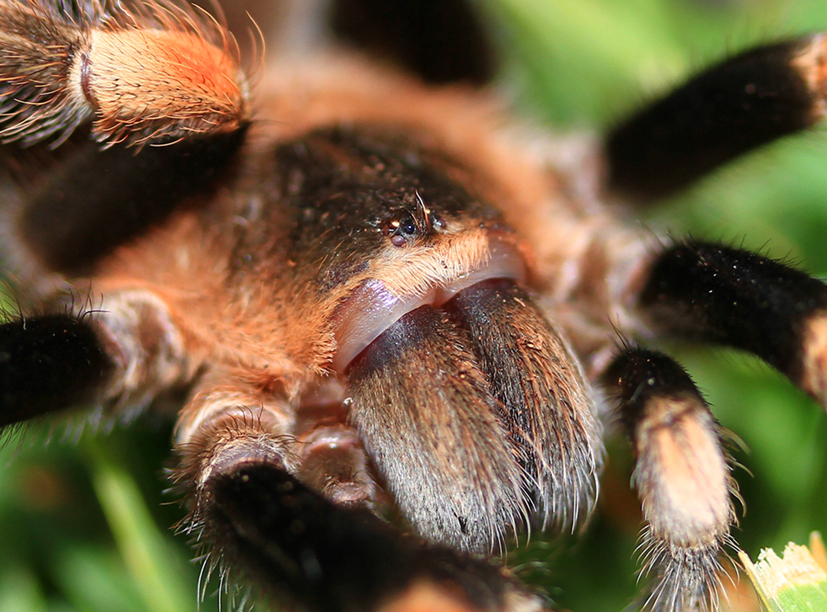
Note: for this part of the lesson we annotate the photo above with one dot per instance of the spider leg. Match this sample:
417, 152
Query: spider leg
252, 511
731, 108
712, 293
65, 65
440, 41
116, 359
681, 475
47, 364
78, 204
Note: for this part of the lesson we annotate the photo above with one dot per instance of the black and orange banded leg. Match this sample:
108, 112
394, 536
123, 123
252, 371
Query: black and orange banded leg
725, 111
711, 293
681, 475
714, 294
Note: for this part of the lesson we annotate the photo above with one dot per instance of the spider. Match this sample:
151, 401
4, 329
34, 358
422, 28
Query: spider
471, 410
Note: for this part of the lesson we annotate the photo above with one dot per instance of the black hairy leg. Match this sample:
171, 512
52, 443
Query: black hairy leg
441, 41
119, 359
254, 516
83, 224
90, 201
50, 363
681, 474
735, 106
707, 292
714, 294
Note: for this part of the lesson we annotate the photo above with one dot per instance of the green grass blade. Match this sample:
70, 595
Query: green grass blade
795, 582
153, 563
20, 591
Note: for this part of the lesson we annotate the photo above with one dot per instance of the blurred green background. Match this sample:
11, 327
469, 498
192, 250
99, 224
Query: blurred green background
84, 522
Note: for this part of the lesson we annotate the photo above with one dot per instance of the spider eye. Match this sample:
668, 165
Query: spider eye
408, 227
401, 230
436, 221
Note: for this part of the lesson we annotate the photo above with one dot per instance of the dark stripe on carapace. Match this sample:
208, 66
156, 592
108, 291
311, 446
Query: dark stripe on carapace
727, 110
96, 200
712, 293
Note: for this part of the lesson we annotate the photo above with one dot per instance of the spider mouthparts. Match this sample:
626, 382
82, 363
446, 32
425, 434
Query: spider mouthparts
373, 307
485, 416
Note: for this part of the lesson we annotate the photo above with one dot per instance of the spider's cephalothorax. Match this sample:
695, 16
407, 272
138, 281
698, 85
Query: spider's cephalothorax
391, 324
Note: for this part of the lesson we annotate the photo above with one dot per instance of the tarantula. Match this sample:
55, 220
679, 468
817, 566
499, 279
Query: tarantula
397, 324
